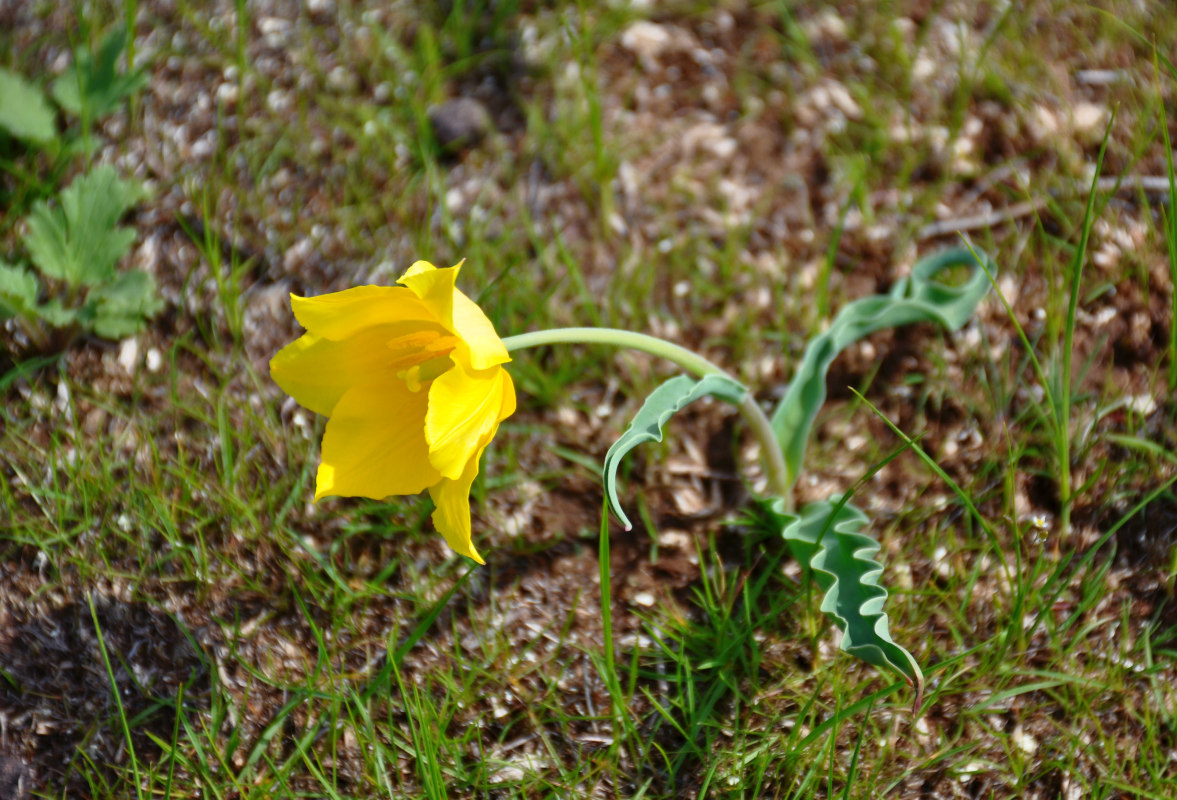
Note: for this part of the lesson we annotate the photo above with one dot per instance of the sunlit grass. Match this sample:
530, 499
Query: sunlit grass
344, 654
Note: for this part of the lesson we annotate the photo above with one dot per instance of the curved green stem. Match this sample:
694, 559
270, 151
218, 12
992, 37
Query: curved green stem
777, 473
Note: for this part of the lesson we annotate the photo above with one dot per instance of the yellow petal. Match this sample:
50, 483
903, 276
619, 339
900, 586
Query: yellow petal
338, 315
374, 445
316, 371
452, 516
437, 290
472, 326
465, 409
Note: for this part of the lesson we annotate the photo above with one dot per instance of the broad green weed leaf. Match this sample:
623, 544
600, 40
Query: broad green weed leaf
918, 298
660, 406
18, 291
827, 538
23, 110
92, 87
121, 308
78, 240
55, 314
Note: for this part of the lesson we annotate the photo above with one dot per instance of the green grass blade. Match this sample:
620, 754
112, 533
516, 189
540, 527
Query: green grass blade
380, 681
118, 699
944, 476
1169, 218
607, 663
836, 719
1065, 490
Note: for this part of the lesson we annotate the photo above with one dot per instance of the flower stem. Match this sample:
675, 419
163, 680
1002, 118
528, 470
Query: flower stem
777, 473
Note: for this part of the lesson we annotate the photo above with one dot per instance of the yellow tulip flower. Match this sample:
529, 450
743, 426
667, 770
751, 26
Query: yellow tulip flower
412, 381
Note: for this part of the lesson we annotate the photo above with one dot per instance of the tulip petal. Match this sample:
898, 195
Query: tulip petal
374, 445
316, 371
473, 327
465, 409
437, 290
452, 515
339, 315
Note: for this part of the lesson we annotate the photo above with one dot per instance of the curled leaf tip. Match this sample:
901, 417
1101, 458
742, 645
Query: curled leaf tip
917, 298
660, 406
918, 705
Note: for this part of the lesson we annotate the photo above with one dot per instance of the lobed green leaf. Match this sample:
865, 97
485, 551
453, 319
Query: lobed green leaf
827, 538
918, 298
120, 308
24, 113
669, 398
57, 315
78, 240
18, 291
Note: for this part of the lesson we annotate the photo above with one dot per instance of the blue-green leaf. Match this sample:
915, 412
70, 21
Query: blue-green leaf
827, 538
23, 110
918, 298
660, 406
78, 240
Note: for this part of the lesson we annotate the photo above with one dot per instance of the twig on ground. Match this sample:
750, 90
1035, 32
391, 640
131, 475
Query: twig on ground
1152, 184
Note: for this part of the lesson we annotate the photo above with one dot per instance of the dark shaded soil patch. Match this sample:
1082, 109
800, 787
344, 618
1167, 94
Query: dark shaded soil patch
1146, 541
56, 689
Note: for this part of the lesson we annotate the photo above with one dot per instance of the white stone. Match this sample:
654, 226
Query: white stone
154, 359
646, 40
1025, 742
840, 97
1044, 123
129, 354
1141, 404
1089, 117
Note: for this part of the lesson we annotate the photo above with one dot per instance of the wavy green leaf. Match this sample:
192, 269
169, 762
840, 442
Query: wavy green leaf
827, 538
672, 396
918, 298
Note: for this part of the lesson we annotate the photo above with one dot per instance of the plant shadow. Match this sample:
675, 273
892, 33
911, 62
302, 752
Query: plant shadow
65, 735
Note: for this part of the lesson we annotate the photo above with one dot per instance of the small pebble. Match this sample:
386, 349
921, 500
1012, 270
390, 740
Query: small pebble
154, 359
460, 122
129, 354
